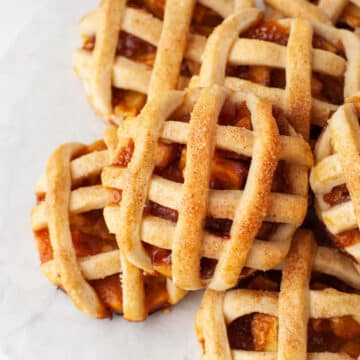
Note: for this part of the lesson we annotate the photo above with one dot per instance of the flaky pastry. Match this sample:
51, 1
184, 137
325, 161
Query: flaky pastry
335, 178
342, 13
306, 69
308, 311
133, 49
77, 252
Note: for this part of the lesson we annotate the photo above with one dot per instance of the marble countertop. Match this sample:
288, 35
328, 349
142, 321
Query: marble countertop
42, 106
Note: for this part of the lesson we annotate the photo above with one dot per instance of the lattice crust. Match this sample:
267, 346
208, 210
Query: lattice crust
119, 72
186, 204
342, 13
77, 251
277, 322
334, 179
296, 61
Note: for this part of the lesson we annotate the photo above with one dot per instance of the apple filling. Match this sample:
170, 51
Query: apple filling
229, 171
259, 332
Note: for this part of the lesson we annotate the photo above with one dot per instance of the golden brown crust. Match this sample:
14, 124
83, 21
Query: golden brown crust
337, 155
171, 47
218, 46
170, 36
297, 95
299, 58
250, 213
101, 69
294, 299
135, 76
300, 8
211, 313
338, 12
58, 195
71, 189
345, 14
187, 239
294, 305
192, 211
134, 189
267, 146
109, 20
298, 69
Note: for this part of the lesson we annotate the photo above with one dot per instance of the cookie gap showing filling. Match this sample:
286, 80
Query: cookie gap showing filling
350, 18
259, 332
95, 248
333, 186
270, 31
229, 167
127, 47
252, 319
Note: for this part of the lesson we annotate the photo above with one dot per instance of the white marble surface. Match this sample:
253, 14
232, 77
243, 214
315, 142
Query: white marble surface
43, 105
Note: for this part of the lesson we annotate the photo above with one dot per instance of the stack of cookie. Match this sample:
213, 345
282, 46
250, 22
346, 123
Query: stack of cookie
221, 116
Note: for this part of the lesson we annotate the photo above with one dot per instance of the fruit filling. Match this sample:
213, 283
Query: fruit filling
229, 171
259, 332
127, 102
338, 195
90, 237
324, 87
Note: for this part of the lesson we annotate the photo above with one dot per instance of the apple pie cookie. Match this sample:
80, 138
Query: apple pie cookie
132, 49
77, 252
310, 310
196, 177
305, 69
335, 178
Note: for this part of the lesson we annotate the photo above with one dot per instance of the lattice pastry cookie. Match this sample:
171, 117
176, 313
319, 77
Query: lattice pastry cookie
310, 310
196, 177
342, 13
77, 252
306, 70
133, 49
335, 178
